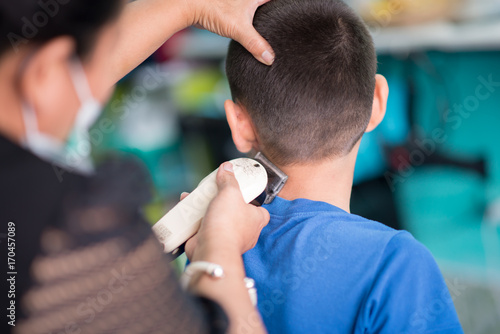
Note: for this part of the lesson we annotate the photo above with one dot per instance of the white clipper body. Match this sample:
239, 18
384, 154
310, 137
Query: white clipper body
183, 221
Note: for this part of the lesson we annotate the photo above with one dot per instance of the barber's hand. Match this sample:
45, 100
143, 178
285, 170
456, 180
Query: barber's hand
233, 19
230, 225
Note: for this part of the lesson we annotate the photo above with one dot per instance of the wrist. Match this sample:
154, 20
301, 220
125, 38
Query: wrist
223, 253
188, 11
218, 242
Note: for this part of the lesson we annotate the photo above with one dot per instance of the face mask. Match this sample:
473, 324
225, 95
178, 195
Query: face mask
74, 154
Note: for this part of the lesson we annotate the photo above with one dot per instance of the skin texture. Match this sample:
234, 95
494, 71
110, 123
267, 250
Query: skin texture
41, 77
328, 180
226, 18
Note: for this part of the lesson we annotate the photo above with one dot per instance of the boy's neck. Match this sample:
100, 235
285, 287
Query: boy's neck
327, 181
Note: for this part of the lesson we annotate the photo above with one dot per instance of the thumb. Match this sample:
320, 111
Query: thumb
251, 40
225, 176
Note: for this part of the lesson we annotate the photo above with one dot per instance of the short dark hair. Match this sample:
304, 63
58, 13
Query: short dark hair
315, 101
36, 22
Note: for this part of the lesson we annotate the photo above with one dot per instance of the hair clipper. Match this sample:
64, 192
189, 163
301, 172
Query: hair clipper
259, 181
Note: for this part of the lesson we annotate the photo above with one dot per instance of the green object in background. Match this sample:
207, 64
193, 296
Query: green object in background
460, 93
444, 206
197, 93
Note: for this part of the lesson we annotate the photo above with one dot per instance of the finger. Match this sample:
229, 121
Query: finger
184, 195
191, 245
262, 217
265, 217
251, 40
225, 176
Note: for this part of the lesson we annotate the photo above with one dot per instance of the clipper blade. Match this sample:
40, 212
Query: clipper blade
276, 180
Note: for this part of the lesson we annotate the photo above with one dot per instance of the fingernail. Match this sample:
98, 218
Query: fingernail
228, 167
268, 57
184, 194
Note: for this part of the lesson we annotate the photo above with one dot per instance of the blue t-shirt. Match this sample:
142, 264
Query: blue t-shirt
319, 269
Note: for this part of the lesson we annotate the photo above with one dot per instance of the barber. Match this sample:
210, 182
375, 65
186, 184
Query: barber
86, 260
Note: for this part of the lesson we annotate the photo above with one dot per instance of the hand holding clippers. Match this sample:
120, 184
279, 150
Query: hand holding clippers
259, 181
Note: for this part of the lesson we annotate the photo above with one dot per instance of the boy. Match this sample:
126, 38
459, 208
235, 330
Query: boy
318, 268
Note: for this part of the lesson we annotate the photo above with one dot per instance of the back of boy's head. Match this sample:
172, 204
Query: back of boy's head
315, 101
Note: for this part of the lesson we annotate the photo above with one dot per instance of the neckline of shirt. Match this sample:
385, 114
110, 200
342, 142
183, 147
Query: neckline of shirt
282, 207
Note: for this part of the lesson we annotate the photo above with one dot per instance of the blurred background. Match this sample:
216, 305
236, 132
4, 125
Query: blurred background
432, 167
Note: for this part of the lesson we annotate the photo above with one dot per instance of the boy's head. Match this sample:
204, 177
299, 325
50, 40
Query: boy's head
316, 100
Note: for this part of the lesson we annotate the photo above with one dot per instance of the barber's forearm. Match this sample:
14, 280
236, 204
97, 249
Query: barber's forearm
144, 26
230, 291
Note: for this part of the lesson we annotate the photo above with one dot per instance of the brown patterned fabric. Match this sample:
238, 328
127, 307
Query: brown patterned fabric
87, 261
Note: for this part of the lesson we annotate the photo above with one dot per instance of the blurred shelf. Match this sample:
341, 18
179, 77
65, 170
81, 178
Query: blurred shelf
204, 45
442, 36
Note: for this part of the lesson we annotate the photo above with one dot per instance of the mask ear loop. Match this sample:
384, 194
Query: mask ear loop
80, 80
82, 88
30, 121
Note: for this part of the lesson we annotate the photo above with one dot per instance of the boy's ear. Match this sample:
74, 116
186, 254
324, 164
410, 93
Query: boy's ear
242, 130
379, 102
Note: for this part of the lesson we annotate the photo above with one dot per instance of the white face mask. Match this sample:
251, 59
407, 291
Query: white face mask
74, 154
